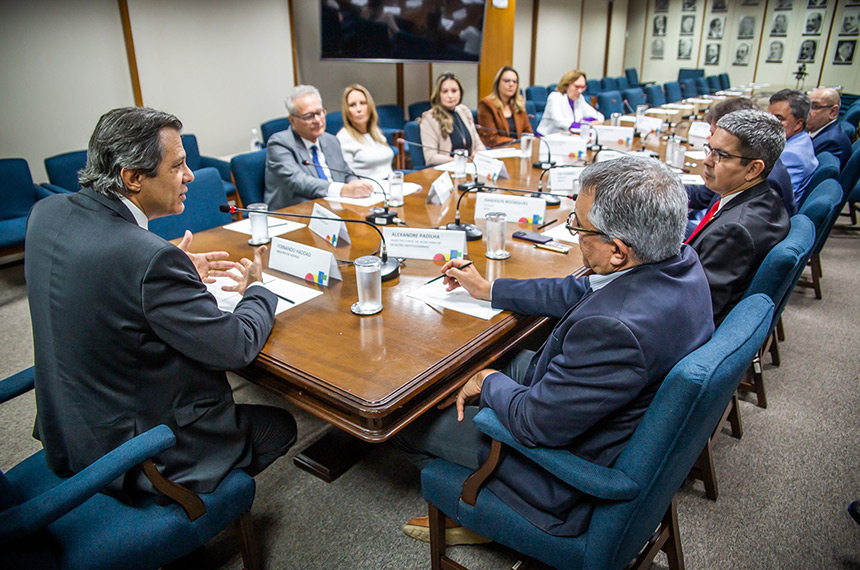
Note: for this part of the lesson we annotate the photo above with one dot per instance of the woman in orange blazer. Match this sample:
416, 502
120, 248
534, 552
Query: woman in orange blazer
502, 114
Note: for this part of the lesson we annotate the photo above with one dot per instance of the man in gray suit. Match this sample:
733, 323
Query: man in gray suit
298, 159
126, 335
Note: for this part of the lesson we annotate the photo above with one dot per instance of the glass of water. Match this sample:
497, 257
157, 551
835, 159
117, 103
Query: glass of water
368, 280
496, 229
259, 224
459, 163
526, 145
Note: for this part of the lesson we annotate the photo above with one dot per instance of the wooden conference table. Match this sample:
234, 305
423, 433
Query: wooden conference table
371, 375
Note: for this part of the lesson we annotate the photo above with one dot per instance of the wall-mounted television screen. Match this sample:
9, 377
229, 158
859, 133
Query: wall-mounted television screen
402, 30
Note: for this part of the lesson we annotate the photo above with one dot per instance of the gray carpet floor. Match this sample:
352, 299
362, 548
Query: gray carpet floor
784, 487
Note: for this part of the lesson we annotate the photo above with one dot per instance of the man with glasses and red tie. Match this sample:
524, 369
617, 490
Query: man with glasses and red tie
645, 305
747, 218
298, 159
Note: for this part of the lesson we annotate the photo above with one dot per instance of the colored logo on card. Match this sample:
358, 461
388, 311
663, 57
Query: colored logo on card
534, 221
321, 278
331, 239
448, 256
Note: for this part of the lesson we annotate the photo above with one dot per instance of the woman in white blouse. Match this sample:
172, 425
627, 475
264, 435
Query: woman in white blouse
566, 108
364, 147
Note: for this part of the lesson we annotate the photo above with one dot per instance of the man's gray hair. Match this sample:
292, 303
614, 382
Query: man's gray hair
128, 137
797, 100
760, 136
299, 91
640, 201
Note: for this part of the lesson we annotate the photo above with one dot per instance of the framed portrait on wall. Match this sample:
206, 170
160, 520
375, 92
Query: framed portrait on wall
661, 5
749, 2
688, 25
845, 52
657, 48
742, 54
685, 48
659, 28
712, 54
850, 23
783, 5
746, 28
807, 51
852, 2
774, 52
715, 27
719, 6
816, 4
779, 28
688, 5
814, 20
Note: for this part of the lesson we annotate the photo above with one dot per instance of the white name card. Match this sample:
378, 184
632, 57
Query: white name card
303, 261
331, 230
517, 209
699, 134
440, 190
561, 179
648, 124
490, 168
563, 145
418, 243
607, 134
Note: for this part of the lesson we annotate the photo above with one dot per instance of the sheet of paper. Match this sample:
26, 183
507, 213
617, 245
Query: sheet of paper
277, 226
457, 300
298, 294
449, 167
559, 233
691, 179
696, 154
376, 197
504, 152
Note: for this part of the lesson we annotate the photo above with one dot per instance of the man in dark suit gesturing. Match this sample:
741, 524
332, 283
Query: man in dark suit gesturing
749, 218
823, 125
620, 331
126, 335
288, 179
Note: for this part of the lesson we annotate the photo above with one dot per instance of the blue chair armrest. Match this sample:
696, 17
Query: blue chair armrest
28, 517
15, 385
45, 190
595, 480
222, 167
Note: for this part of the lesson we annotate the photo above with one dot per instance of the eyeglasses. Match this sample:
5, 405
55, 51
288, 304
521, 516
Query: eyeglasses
571, 220
308, 117
819, 107
721, 154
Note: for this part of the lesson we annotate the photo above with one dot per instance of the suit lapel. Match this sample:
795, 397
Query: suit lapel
303, 153
110, 203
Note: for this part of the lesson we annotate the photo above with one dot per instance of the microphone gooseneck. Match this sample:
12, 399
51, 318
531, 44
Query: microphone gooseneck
548, 163
473, 184
380, 216
390, 266
472, 231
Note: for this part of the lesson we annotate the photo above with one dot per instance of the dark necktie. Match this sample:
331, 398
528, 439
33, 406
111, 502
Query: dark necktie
317, 165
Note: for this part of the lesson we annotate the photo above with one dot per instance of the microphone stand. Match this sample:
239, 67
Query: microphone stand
380, 216
390, 265
548, 163
540, 183
473, 232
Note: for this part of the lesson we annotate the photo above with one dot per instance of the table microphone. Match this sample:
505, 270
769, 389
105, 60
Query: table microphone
390, 266
540, 182
463, 185
519, 191
544, 164
380, 216
473, 232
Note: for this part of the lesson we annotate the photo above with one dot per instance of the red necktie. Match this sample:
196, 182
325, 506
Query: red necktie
704, 221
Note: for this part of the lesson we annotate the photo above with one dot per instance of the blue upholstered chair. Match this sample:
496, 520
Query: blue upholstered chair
196, 161
849, 129
702, 86
18, 196
592, 88
416, 109
655, 96
412, 132
852, 116
635, 492
273, 126
686, 72
828, 168
63, 169
333, 122
672, 89
390, 117
725, 82
537, 94
688, 87
822, 207
849, 179
49, 522
622, 83
249, 172
201, 211
634, 96
632, 76
610, 102
609, 84
713, 83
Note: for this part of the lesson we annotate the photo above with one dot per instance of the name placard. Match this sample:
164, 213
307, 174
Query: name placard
563, 145
517, 209
303, 261
418, 243
561, 179
648, 124
609, 135
440, 190
331, 230
490, 168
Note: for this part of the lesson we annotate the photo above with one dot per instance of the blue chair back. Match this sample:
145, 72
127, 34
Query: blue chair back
205, 194
192, 151
390, 117
849, 178
623, 83
655, 96
822, 207
849, 129
685, 73
412, 132
273, 126
702, 86
537, 94
714, 83
249, 172
852, 116
609, 84
725, 83
63, 169
416, 109
16, 187
688, 87
610, 102
828, 168
632, 76
672, 90
634, 96
592, 87
550, 88
333, 122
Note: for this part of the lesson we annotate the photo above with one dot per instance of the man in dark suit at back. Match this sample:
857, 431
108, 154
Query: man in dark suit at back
288, 179
620, 331
749, 218
823, 124
126, 335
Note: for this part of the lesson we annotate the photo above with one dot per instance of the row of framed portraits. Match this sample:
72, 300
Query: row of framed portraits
721, 5
850, 25
844, 54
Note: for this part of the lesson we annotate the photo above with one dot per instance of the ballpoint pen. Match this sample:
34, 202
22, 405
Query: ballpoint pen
464, 266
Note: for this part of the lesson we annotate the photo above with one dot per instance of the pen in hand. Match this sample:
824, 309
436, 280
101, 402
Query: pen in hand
542, 226
464, 266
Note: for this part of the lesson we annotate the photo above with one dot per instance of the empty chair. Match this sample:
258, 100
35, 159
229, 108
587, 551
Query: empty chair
852, 116
609, 84
412, 133
828, 168
273, 126
822, 207
713, 83
19, 194
249, 172
672, 90
196, 161
62, 170
634, 96
622, 83
655, 96
537, 94
416, 109
610, 102
849, 179
702, 86
724, 81
390, 117
50, 522
204, 196
632, 76
592, 88
688, 87
632, 496
551, 87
